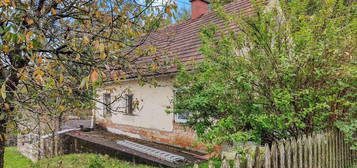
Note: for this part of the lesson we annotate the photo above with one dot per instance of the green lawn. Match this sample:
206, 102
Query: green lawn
14, 159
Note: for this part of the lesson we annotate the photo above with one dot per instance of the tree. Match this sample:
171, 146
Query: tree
290, 70
68, 47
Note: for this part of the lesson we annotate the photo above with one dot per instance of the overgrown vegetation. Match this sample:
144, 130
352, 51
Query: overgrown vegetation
14, 159
54, 54
85, 161
291, 70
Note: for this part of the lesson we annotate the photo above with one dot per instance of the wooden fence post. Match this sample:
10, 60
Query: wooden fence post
306, 152
210, 164
309, 139
281, 154
300, 152
288, 153
225, 163
250, 161
314, 145
267, 157
195, 165
274, 155
331, 148
319, 150
237, 161
294, 151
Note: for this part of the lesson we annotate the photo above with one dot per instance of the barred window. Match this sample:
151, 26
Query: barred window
107, 103
180, 117
129, 104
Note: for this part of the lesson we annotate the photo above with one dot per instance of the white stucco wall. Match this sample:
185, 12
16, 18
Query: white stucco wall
153, 104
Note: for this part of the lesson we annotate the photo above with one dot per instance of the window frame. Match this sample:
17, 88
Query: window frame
107, 98
129, 104
177, 118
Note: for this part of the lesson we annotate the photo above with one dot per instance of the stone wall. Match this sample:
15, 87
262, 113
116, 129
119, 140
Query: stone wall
35, 148
28, 146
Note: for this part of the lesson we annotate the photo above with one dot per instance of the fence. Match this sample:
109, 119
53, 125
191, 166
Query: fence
328, 150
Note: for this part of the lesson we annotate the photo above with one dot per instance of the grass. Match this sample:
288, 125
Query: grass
85, 161
14, 159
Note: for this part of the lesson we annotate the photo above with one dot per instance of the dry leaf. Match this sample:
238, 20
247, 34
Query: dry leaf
6, 2
29, 21
6, 106
53, 11
94, 76
28, 35
5, 48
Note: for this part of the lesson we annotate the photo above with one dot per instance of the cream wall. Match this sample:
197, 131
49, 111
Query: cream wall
153, 103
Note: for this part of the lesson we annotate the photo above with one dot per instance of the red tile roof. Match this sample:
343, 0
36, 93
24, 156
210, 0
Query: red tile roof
182, 40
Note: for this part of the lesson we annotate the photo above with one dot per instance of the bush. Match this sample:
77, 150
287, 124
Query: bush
291, 70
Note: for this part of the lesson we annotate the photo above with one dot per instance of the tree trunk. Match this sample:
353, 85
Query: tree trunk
2, 142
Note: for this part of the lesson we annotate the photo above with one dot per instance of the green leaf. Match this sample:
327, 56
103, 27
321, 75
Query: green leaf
84, 82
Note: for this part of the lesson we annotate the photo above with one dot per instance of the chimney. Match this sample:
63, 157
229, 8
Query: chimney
199, 8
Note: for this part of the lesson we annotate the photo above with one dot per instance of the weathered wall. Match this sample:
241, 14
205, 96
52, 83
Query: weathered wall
180, 136
27, 146
151, 122
153, 103
35, 148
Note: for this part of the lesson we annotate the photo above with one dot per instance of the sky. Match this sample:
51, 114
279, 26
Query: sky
182, 4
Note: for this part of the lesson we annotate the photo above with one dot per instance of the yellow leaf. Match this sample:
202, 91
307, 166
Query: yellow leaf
168, 11
70, 91
28, 35
39, 60
103, 75
30, 45
61, 108
29, 21
33, 57
102, 55
5, 48
78, 57
53, 11
116, 10
101, 47
85, 39
6, 106
97, 14
61, 78
6, 2
3, 90
94, 76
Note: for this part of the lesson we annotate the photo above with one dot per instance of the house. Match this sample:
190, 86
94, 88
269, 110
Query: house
149, 120
134, 117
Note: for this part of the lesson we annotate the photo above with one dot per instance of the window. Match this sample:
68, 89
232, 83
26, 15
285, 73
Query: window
129, 104
107, 103
180, 117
